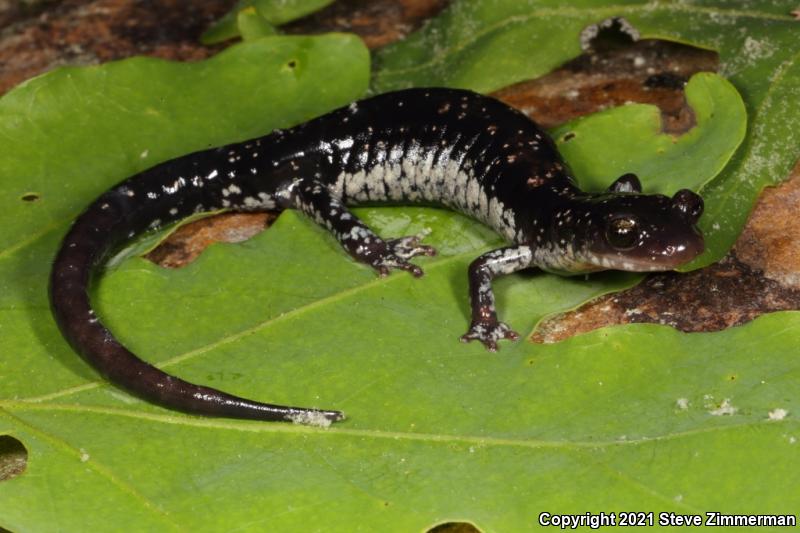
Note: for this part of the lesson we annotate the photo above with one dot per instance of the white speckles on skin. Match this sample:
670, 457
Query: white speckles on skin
173, 211
395, 153
474, 192
418, 174
497, 217
211, 175
358, 233
174, 186
152, 195
344, 144
310, 418
354, 185
376, 182
337, 189
155, 223
104, 206
266, 201
363, 156
231, 189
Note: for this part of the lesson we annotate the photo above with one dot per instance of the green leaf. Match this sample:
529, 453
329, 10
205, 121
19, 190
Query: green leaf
252, 25
274, 12
488, 44
51, 124
623, 139
437, 431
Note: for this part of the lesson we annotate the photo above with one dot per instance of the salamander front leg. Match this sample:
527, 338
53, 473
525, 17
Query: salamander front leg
485, 327
316, 200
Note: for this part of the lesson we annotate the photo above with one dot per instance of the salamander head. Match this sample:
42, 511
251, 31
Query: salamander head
623, 229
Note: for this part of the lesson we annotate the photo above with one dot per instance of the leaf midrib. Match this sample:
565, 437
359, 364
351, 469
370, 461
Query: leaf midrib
282, 428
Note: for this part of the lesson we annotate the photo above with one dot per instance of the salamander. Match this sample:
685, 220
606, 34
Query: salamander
431, 146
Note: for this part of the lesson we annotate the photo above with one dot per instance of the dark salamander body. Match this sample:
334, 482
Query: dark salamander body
453, 148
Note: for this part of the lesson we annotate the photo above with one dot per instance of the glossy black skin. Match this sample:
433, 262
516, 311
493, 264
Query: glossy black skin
446, 147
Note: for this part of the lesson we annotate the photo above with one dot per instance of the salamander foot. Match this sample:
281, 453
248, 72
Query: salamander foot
408, 247
489, 333
398, 252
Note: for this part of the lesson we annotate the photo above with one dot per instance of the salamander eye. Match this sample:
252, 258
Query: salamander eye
622, 232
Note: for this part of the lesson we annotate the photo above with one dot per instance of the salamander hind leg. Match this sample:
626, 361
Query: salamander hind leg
318, 202
484, 326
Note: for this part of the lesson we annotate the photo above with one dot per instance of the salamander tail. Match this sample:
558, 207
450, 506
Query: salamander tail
93, 235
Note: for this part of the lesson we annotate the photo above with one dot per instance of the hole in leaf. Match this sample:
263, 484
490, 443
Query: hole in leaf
291, 64
13, 458
610, 33
454, 527
568, 137
186, 243
30, 196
